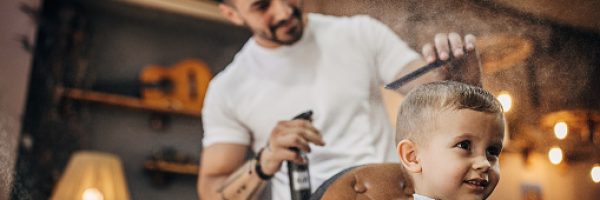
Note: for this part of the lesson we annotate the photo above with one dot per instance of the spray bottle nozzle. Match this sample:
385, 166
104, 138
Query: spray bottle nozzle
305, 115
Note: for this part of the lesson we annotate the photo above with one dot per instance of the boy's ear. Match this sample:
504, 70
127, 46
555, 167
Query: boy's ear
407, 151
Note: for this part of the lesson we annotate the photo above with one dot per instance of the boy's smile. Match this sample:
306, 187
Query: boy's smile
460, 158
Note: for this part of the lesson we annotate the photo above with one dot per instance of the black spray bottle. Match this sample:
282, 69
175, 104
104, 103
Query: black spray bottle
298, 173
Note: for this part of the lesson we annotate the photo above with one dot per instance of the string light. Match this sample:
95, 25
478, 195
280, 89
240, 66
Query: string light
505, 100
561, 130
555, 155
595, 173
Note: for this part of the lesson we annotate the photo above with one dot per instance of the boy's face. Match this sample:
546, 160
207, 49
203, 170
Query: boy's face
461, 159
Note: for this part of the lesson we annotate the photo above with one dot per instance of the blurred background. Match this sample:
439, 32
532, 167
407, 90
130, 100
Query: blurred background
95, 75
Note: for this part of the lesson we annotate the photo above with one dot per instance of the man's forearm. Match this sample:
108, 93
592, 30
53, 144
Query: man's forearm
242, 184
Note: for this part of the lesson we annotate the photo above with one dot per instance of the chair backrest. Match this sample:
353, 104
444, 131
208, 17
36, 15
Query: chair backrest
373, 181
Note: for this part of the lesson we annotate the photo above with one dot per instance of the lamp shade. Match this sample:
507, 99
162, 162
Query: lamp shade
92, 176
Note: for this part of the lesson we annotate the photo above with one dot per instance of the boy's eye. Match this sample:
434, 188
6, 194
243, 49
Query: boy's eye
465, 144
494, 151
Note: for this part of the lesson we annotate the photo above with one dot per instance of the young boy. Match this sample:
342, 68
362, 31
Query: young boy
449, 137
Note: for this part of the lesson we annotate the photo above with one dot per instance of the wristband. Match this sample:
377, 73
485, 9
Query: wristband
258, 167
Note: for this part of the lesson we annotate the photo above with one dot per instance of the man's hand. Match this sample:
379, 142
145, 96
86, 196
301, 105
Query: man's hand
288, 134
464, 65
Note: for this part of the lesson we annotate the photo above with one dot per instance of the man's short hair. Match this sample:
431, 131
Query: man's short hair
419, 109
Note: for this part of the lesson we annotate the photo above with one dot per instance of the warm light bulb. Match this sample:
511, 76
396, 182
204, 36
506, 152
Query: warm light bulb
555, 155
561, 130
595, 173
92, 194
505, 101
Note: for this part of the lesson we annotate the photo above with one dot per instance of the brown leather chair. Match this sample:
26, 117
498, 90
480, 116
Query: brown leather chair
373, 182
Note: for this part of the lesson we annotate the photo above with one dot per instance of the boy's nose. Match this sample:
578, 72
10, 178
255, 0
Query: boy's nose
281, 10
481, 164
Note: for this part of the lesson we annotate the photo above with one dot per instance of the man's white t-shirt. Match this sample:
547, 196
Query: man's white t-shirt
335, 70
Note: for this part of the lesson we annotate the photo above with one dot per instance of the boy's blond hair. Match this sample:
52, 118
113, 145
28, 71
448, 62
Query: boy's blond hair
419, 109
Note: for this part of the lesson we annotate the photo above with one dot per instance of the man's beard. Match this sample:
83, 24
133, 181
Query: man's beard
295, 33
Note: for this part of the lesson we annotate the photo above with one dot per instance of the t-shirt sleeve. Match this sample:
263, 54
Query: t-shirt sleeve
219, 122
391, 53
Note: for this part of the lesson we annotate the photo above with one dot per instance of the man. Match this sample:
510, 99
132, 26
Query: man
297, 62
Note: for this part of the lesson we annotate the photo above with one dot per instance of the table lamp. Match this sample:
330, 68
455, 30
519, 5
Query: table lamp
92, 176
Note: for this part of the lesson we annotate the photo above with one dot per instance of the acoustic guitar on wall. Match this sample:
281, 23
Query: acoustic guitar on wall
180, 87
